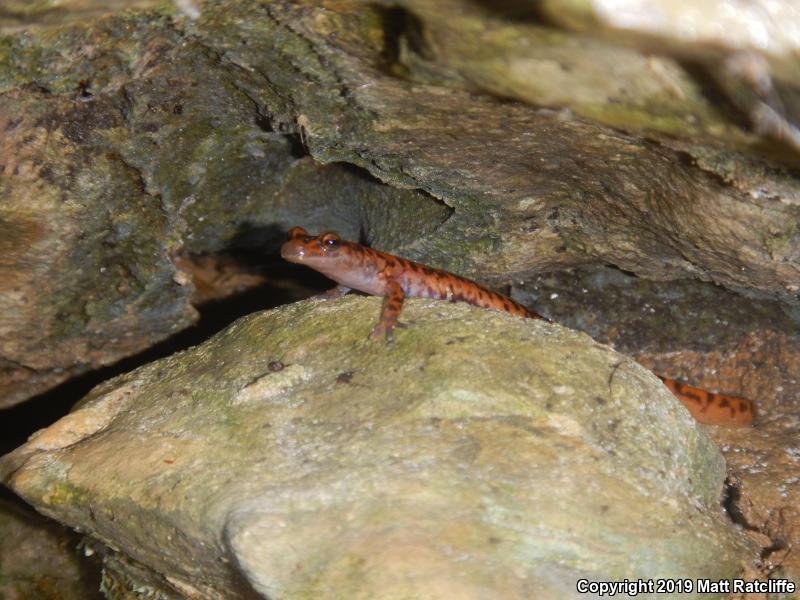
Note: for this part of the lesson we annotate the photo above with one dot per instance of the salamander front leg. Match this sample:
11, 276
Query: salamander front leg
332, 294
392, 305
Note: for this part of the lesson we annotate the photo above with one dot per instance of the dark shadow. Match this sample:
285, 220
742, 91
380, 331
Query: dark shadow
89, 568
400, 26
731, 495
717, 96
265, 121
522, 11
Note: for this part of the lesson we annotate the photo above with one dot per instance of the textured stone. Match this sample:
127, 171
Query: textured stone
480, 455
530, 190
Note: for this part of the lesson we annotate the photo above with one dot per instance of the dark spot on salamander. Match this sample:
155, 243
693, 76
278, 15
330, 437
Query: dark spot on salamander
692, 396
724, 403
743, 407
275, 366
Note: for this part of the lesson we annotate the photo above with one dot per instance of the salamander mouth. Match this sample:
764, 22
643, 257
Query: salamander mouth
293, 252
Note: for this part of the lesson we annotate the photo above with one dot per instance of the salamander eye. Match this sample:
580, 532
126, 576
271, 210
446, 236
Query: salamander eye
297, 232
330, 240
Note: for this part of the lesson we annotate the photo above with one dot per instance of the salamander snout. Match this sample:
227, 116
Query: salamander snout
293, 251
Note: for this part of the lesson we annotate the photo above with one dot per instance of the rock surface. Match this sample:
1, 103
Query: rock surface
480, 455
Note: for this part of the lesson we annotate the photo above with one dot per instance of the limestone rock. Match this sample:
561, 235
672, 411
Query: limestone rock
530, 190
663, 68
479, 455
705, 26
23, 15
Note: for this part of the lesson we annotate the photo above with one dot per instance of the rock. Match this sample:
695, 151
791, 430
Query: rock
21, 15
85, 249
668, 69
704, 26
41, 559
557, 191
109, 167
748, 50
511, 52
480, 454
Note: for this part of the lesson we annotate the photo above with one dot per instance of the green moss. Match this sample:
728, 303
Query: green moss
61, 494
21, 61
781, 242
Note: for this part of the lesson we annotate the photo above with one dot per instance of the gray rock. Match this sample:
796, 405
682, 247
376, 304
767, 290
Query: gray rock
478, 456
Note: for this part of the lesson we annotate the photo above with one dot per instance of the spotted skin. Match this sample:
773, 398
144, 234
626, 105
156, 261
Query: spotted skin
356, 267
712, 408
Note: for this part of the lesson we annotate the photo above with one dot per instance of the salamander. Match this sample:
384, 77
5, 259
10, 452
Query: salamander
356, 267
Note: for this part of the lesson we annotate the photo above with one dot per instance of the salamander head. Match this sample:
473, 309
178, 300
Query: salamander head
307, 249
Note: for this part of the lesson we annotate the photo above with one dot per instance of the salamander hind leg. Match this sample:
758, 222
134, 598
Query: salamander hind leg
392, 305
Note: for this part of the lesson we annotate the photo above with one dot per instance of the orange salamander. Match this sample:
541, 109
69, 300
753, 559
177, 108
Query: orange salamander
356, 267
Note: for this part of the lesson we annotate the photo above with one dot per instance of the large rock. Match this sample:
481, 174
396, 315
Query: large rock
531, 190
670, 69
481, 455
